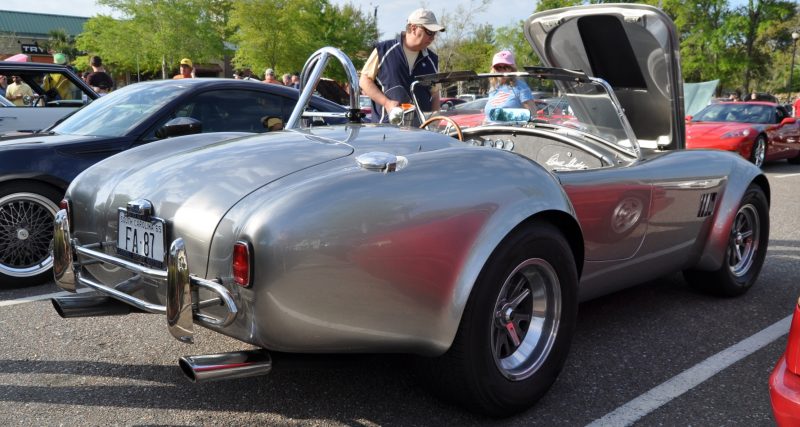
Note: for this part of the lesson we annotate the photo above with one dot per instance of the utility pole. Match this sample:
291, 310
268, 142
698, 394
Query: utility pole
375, 20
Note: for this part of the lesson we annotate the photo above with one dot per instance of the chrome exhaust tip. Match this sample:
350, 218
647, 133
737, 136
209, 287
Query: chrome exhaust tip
224, 366
90, 306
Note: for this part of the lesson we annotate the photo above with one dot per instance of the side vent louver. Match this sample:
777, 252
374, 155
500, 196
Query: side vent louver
706, 204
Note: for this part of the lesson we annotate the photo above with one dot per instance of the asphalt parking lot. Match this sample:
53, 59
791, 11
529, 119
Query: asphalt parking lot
641, 345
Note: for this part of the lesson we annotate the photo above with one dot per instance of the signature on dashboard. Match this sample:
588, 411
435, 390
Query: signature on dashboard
573, 163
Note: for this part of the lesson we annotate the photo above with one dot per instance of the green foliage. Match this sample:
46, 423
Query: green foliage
156, 34
296, 29
59, 41
745, 44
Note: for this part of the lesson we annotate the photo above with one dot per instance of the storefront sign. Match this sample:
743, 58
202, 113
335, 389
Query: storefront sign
33, 48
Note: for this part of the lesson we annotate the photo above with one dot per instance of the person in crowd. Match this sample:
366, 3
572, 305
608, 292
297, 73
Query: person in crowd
796, 106
507, 91
3, 84
733, 97
243, 74
56, 85
17, 90
98, 79
287, 79
394, 64
295, 81
269, 77
753, 96
187, 69
272, 123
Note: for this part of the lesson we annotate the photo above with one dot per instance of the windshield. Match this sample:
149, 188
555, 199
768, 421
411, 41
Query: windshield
119, 112
582, 105
737, 112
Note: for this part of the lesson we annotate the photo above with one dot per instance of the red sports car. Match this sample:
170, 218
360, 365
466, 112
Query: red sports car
784, 383
759, 131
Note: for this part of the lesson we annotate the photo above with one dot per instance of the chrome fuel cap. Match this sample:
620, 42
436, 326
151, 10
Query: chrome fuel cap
379, 161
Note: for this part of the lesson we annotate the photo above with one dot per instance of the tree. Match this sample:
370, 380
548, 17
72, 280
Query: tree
59, 41
513, 38
155, 34
461, 30
296, 29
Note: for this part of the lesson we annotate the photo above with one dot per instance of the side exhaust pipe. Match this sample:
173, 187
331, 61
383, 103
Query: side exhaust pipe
224, 366
90, 306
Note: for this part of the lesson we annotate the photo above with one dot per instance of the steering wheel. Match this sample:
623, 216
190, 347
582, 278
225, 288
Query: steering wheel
450, 121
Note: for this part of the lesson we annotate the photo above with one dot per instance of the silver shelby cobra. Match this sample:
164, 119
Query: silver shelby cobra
470, 247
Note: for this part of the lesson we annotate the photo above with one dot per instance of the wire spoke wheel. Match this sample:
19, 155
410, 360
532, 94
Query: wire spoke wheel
26, 229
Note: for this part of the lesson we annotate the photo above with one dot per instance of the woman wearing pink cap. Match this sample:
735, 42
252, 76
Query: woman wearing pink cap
507, 91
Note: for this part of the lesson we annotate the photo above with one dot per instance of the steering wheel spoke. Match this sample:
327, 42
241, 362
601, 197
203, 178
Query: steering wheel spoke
450, 123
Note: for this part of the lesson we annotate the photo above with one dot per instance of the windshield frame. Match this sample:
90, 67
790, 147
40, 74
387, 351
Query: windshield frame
566, 80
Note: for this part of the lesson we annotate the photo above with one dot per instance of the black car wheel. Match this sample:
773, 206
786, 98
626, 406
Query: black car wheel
745, 252
516, 329
26, 229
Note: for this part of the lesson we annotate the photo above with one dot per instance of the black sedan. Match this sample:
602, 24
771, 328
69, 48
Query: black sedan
36, 170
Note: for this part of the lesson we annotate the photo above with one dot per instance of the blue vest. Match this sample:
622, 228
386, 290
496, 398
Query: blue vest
394, 80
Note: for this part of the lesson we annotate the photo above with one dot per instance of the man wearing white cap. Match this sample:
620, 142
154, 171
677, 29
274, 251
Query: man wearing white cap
395, 64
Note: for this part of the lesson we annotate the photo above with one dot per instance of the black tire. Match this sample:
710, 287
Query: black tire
759, 152
533, 265
794, 160
745, 252
26, 230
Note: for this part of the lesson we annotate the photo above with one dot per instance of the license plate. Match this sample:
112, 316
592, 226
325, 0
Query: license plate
142, 240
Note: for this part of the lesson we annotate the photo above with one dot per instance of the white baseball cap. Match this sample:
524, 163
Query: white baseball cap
425, 18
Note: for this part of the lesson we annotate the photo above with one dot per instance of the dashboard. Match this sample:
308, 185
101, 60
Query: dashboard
553, 154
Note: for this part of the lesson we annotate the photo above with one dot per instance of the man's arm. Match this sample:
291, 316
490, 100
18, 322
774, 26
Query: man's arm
368, 86
371, 89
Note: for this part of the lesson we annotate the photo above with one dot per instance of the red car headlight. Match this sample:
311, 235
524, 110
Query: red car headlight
736, 133
241, 264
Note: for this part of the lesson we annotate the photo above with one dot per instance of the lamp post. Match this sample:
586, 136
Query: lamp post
795, 36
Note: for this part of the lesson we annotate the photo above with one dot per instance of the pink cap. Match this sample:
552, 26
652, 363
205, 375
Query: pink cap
504, 57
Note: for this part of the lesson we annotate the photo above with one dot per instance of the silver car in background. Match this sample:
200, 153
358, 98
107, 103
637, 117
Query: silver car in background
471, 249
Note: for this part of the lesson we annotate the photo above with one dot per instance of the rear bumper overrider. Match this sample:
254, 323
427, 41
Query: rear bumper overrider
183, 304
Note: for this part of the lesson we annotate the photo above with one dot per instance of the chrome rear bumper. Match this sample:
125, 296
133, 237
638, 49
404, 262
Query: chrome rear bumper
182, 301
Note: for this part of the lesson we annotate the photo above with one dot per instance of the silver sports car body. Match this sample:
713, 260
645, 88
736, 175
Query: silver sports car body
378, 238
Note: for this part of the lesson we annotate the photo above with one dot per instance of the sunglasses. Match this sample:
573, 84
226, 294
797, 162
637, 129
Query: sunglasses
428, 32
501, 67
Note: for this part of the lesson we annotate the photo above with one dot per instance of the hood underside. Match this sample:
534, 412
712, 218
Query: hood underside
632, 47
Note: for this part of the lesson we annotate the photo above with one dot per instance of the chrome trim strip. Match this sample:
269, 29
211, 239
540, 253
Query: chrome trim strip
700, 184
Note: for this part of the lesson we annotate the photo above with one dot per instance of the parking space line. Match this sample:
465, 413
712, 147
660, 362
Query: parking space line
637, 408
788, 175
41, 297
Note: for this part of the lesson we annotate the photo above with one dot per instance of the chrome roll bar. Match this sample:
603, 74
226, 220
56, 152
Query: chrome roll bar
310, 77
